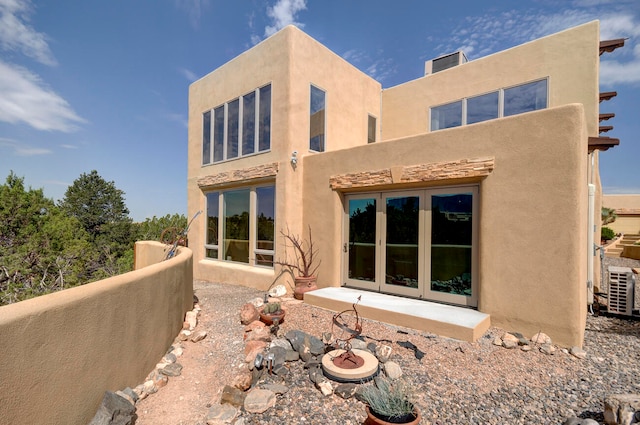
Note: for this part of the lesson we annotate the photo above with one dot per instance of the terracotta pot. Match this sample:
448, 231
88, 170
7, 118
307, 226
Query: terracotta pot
269, 318
304, 285
374, 420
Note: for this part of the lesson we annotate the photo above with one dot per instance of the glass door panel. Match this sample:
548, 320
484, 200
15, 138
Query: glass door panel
360, 249
451, 246
401, 243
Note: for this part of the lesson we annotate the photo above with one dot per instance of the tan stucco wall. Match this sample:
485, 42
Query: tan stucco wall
62, 351
627, 223
629, 202
291, 61
532, 272
569, 59
533, 267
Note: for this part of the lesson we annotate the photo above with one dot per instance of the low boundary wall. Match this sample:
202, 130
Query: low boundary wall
62, 351
631, 251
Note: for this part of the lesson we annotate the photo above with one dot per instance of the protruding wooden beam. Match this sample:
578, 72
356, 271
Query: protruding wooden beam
607, 116
609, 46
605, 128
607, 95
602, 143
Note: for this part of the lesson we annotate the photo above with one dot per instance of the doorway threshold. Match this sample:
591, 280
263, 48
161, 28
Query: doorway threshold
441, 319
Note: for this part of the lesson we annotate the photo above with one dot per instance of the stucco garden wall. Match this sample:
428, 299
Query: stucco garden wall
628, 209
62, 351
532, 266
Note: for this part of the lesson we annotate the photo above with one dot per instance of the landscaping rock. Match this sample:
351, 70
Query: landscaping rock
114, 410
221, 414
620, 409
248, 313
259, 401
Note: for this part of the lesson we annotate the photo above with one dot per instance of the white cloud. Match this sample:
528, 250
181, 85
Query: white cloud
284, 13
16, 35
178, 118
194, 9
486, 34
188, 74
25, 98
380, 68
21, 149
69, 146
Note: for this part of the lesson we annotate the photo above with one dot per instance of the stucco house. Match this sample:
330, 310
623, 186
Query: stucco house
467, 187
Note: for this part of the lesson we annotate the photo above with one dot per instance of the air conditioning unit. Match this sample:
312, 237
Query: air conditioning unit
444, 62
621, 290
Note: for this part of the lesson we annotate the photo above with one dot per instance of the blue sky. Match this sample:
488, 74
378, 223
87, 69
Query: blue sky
104, 85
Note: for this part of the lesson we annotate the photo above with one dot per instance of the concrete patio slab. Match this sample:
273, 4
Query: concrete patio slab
444, 320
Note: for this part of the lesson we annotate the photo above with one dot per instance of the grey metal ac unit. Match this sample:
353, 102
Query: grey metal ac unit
621, 290
444, 62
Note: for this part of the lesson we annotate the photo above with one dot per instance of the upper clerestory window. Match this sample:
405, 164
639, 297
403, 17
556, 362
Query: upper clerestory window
237, 128
501, 103
317, 120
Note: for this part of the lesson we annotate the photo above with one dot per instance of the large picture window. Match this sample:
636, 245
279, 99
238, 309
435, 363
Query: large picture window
241, 127
240, 225
525, 98
317, 120
501, 103
446, 116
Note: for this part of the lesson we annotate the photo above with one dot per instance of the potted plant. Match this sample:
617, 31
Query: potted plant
271, 312
303, 266
389, 402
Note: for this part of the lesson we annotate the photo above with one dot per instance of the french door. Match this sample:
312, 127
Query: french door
419, 243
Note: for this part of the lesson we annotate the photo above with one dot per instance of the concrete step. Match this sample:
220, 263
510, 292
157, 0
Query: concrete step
445, 320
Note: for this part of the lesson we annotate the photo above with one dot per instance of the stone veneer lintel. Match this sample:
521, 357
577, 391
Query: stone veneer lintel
450, 170
239, 176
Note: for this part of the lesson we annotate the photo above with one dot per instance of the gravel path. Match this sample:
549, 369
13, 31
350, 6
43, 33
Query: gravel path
455, 382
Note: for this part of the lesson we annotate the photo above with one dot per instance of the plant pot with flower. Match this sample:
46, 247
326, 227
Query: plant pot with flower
303, 265
389, 402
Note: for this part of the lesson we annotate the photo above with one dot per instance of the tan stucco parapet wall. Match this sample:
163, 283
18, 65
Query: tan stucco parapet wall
438, 171
62, 351
239, 176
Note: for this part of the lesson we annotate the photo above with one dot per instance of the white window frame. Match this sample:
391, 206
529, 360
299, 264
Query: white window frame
256, 140
253, 226
324, 129
463, 121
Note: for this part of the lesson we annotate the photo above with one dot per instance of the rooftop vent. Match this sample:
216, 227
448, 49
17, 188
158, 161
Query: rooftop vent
444, 62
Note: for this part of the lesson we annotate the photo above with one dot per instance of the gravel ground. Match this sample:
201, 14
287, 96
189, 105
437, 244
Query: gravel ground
455, 382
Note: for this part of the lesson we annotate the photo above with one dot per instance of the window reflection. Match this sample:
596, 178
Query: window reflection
482, 108
206, 137
525, 98
446, 116
248, 123
317, 121
236, 225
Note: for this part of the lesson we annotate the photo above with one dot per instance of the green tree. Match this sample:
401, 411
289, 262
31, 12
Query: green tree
608, 215
99, 206
96, 203
151, 229
41, 249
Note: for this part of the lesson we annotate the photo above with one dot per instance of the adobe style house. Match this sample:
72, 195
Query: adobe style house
468, 186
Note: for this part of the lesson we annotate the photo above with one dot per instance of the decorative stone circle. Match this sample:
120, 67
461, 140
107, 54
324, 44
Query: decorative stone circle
366, 372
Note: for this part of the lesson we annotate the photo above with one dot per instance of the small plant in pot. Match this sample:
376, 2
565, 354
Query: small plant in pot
389, 402
303, 265
271, 312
